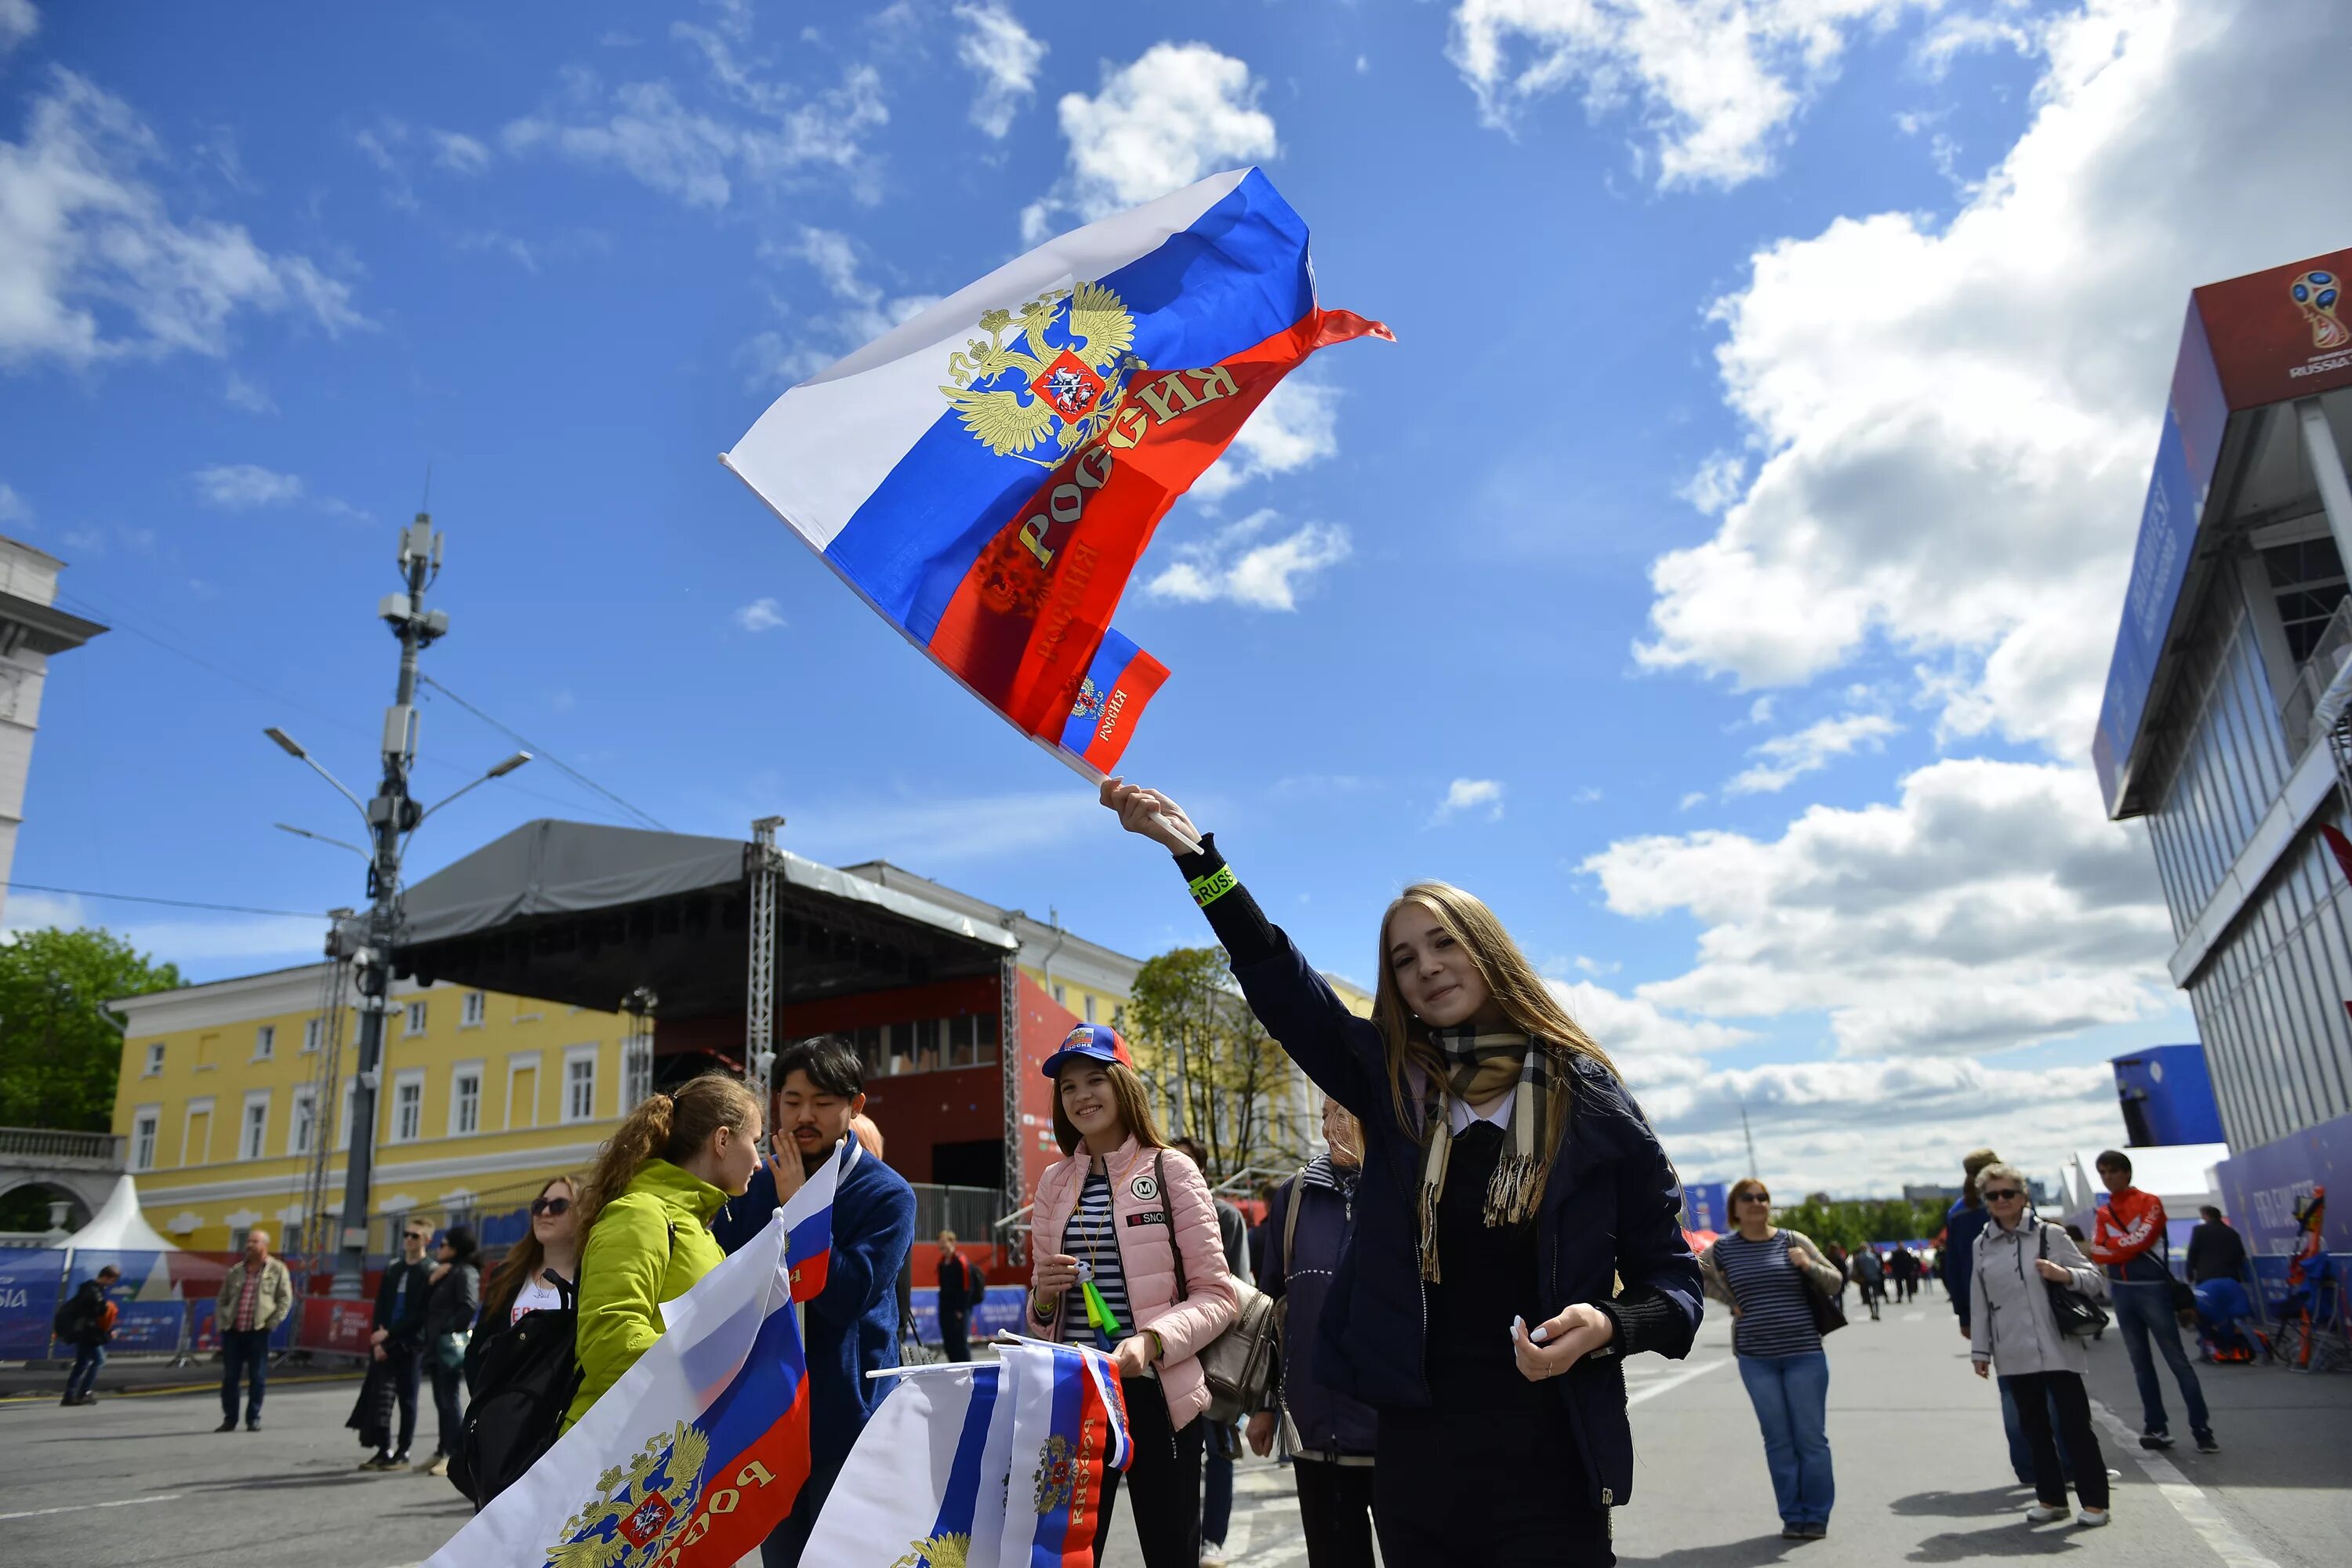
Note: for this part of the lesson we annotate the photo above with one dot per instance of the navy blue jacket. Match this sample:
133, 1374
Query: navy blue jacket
852, 1323
1330, 1426
1611, 1205
1962, 1225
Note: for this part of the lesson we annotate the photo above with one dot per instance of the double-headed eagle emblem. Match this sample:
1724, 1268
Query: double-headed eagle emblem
1048, 377
641, 1509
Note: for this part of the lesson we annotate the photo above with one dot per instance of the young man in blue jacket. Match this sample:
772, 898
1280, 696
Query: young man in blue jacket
852, 1323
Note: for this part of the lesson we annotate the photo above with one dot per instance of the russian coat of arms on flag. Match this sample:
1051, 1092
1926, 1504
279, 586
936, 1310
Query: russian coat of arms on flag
988, 474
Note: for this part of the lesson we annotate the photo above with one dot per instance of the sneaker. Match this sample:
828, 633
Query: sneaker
378, 1462
2156, 1439
2091, 1518
2207, 1443
1817, 1532
252, 1423
1793, 1533
2043, 1513
399, 1461
228, 1425
1212, 1554
438, 1464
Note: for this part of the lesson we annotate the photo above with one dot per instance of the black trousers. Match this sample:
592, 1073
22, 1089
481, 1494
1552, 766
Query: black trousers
1163, 1481
2035, 1392
955, 1333
1485, 1489
1335, 1512
449, 1407
403, 1364
245, 1354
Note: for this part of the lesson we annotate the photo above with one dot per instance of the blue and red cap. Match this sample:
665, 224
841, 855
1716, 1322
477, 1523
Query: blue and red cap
1096, 1042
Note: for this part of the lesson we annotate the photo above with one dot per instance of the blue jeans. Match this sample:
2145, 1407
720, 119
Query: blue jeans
87, 1359
245, 1352
2020, 1452
2144, 1311
1217, 1485
1791, 1395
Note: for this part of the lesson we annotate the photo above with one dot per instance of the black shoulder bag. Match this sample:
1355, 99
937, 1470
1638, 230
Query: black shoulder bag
2077, 1316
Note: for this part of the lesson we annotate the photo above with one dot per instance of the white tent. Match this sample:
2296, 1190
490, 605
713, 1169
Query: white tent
119, 1225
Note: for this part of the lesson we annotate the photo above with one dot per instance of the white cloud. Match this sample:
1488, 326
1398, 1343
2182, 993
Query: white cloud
1957, 419
248, 394
995, 47
1177, 112
1994, 906
458, 152
92, 265
1299, 424
753, 128
759, 615
19, 22
931, 833
1786, 758
1241, 563
237, 487
1696, 797
1629, 1028
1485, 795
865, 313
1716, 483
1714, 83
13, 507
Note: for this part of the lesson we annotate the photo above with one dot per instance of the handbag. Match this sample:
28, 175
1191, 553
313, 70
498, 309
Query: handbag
2077, 1316
450, 1349
1238, 1364
1827, 1316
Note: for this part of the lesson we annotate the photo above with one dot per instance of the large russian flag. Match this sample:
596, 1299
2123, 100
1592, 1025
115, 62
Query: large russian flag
988, 474
691, 1458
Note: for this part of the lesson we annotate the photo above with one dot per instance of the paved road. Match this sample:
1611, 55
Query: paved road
1922, 1475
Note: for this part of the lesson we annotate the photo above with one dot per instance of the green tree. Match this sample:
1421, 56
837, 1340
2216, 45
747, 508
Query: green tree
60, 1048
1213, 1072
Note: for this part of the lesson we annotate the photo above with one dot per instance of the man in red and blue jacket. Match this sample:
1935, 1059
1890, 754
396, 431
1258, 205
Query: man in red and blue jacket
2129, 1237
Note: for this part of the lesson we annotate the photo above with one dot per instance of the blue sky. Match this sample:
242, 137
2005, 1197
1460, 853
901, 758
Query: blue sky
1717, 574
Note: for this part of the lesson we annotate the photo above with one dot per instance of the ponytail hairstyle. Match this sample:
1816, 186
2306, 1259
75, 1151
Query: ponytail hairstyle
663, 1127
1511, 981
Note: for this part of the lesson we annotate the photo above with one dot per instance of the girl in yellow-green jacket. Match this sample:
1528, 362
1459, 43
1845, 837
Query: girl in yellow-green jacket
649, 1203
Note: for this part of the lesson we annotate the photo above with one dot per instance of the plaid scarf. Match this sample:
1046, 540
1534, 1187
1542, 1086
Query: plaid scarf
1476, 1069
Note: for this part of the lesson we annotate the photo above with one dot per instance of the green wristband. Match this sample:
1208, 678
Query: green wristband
1207, 890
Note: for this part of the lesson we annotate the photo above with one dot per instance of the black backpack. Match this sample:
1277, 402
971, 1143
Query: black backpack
72, 1314
524, 1381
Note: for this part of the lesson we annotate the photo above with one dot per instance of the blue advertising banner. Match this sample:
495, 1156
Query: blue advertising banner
29, 1278
2259, 1186
1703, 1207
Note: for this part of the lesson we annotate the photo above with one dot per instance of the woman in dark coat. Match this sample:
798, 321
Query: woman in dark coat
450, 1308
1509, 1179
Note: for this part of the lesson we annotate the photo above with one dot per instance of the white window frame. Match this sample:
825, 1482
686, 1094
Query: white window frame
265, 1042
200, 1106
573, 1055
302, 1106
1061, 994
519, 1063
414, 1017
345, 1115
636, 1072
154, 1059
406, 1077
146, 1127
474, 1010
314, 1031
1089, 998
249, 1147
459, 1077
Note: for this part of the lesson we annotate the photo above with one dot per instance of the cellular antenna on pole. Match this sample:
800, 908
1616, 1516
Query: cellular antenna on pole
1750, 1137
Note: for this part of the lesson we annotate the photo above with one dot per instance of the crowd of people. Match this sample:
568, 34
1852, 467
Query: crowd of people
1456, 1282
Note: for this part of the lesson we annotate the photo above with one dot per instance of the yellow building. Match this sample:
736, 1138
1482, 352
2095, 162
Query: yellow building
481, 1099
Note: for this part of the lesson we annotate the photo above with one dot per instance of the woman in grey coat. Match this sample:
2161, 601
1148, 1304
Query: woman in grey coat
2014, 1330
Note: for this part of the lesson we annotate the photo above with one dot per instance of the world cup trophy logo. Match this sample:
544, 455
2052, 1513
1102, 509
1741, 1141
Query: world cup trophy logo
2315, 295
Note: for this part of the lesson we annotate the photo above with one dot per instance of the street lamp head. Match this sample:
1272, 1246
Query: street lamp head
287, 743
510, 765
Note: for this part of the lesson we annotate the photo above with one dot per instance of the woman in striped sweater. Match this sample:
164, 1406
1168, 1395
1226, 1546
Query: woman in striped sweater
1767, 1275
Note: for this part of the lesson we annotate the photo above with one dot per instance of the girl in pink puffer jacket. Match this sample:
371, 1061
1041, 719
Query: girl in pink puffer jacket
1113, 1214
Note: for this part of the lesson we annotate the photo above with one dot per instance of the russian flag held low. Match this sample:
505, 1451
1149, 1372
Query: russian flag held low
690, 1459
988, 474
980, 1466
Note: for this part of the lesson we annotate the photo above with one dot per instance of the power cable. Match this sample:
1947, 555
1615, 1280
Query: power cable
542, 755
175, 903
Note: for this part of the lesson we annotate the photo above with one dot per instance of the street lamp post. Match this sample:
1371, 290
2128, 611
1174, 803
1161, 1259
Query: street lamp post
391, 816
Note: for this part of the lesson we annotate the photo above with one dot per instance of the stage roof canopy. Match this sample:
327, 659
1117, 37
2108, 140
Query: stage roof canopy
585, 914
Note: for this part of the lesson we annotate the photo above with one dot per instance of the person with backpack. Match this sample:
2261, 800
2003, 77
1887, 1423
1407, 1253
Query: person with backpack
86, 1322
1511, 1183
1870, 1274
2129, 1235
521, 1367
658, 1183
1331, 1439
2013, 1326
451, 1304
1129, 1259
960, 1289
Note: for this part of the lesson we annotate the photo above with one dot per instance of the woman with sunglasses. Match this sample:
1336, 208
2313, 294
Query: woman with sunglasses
520, 1285
1767, 1275
2012, 1327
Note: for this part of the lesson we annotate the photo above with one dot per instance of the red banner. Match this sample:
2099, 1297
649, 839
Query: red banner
329, 1324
